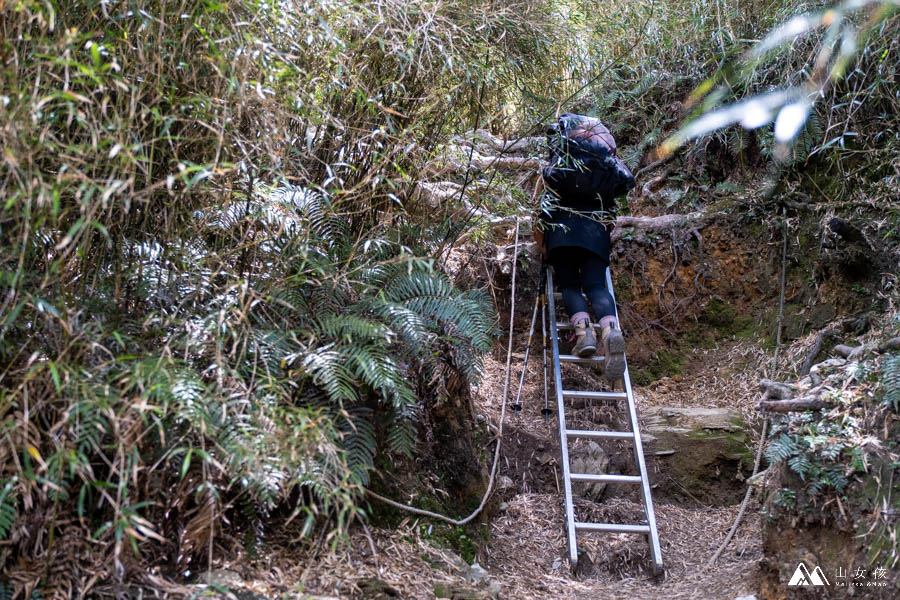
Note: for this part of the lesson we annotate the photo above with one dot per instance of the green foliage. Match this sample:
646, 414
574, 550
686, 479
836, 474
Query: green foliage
184, 334
786, 498
817, 451
841, 52
8, 507
219, 288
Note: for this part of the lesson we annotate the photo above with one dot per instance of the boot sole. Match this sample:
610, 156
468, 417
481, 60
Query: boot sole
615, 363
587, 352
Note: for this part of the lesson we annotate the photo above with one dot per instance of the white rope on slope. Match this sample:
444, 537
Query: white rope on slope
490, 487
762, 437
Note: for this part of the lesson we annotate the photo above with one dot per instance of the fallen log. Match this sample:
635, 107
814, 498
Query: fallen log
843, 351
460, 160
694, 220
776, 390
500, 145
889, 345
435, 193
795, 405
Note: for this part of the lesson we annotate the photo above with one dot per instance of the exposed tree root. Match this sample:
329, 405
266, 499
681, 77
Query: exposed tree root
816, 348
795, 405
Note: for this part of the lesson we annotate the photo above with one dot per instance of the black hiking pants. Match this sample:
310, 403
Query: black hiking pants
578, 269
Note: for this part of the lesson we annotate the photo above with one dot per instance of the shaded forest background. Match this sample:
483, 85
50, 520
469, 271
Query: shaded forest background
224, 293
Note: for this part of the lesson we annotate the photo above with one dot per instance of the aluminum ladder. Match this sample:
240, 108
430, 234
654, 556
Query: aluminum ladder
566, 435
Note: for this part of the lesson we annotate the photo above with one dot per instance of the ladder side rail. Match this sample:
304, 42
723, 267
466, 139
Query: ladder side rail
561, 416
638, 449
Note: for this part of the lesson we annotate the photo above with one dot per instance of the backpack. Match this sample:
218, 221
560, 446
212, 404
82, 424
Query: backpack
584, 165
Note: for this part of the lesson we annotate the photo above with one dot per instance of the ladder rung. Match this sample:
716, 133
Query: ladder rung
599, 435
571, 358
605, 478
564, 325
594, 395
612, 527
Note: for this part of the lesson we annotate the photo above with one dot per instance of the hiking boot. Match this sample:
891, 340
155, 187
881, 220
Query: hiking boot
586, 339
613, 352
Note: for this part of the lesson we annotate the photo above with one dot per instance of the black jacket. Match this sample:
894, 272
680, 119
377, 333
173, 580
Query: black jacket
585, 176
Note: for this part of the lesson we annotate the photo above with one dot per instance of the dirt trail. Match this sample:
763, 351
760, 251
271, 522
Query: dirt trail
528, 540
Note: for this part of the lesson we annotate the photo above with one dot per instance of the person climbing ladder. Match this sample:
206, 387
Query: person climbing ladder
584, 177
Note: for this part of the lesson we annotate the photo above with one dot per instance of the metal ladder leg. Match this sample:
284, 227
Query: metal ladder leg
561, 415
650, 514
573, 526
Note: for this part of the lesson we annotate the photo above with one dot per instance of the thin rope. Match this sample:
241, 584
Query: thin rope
490, 487
762, 437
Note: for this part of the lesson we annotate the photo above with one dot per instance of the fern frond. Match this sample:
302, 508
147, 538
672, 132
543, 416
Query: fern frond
647, 82
90, 422
402, 431
409, 325
358, 440
352, 328
330, 373
780, 448
290, 305
737, 140
8, 507
800, 464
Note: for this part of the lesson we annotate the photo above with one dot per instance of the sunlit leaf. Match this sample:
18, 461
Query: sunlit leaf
790, 120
